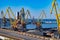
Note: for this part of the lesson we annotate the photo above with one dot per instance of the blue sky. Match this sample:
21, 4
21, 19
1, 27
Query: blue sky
35, 6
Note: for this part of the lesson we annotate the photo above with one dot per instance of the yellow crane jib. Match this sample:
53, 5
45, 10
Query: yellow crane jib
12, 12
54, 6
9, 11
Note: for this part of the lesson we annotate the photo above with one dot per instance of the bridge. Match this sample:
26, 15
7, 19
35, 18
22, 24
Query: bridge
20, 35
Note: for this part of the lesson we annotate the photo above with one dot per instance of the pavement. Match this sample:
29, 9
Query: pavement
18, 35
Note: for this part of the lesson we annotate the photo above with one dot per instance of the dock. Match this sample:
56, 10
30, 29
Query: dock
21, 35
17, 35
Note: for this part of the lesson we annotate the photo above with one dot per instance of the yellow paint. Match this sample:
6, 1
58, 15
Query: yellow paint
54, 6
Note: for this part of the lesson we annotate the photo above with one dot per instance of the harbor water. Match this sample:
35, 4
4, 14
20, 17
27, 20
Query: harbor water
49, 24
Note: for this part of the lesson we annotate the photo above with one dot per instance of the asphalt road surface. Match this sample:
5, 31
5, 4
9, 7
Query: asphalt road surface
17, 35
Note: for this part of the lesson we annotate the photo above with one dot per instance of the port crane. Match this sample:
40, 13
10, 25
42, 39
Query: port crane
27, 14
54, 7
21, 16
24, 15
13, 22
3, 18
42, 15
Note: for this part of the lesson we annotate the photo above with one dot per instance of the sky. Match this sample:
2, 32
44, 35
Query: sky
35, 6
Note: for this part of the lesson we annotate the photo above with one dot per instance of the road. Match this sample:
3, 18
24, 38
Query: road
22, 35
18, 35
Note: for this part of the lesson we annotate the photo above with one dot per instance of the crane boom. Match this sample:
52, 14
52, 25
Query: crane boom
9, 11
42, 15
54, 6
27, 14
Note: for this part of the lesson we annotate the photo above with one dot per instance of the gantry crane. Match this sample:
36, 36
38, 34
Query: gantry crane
54, 7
